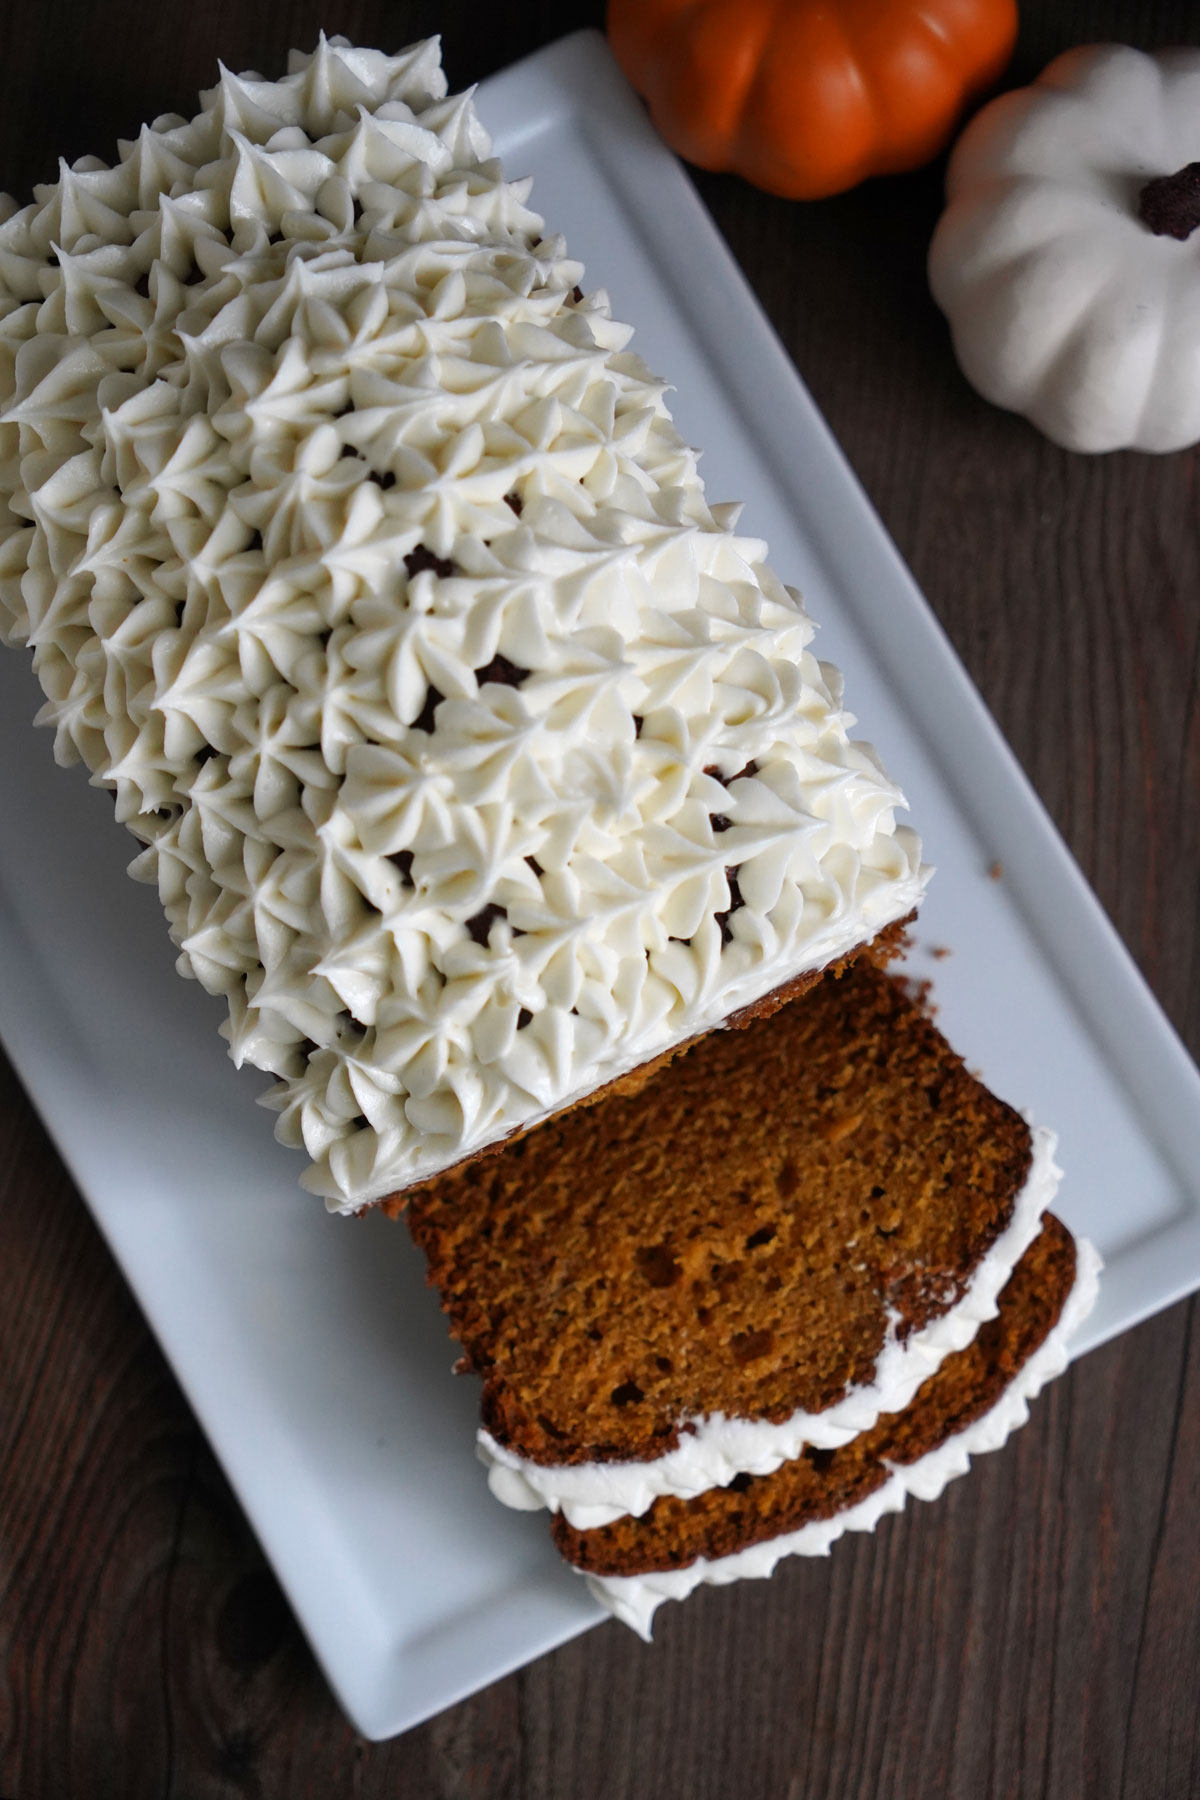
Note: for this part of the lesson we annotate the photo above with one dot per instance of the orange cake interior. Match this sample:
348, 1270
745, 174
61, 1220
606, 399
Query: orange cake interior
820, 1483
737, 1237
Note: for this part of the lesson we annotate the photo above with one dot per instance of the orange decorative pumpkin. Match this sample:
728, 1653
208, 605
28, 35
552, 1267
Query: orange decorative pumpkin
807, 97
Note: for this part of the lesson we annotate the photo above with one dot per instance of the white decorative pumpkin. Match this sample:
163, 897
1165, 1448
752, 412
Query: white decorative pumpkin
1067, 259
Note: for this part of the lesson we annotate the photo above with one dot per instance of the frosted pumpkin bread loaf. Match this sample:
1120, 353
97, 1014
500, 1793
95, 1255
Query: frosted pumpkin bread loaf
482, 766
478, 760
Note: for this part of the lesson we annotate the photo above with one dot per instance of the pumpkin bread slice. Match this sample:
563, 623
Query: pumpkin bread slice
819, 1484
745, 1236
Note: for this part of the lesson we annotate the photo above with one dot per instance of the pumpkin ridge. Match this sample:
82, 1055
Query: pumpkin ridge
687, 96
818, 158
931, 16
917, 104
1074, 339
873, 92
1009, 194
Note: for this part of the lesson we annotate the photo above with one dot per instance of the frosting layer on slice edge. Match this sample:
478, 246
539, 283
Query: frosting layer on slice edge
716, 1448
634, 1599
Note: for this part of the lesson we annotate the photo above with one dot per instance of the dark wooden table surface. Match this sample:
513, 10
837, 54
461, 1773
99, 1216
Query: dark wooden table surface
1035, 1633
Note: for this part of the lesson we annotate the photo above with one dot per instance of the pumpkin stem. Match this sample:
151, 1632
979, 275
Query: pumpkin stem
1170, 206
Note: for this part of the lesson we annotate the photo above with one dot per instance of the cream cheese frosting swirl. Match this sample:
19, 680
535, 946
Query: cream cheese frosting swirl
476, 758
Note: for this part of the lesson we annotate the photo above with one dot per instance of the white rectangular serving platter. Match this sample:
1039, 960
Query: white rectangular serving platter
315, 1358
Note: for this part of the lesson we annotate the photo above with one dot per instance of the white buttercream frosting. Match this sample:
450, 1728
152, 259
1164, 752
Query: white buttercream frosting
635, 1598
476, 758
713, 1449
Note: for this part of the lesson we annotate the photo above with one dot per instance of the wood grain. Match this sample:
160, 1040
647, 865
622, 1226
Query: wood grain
1037, 1633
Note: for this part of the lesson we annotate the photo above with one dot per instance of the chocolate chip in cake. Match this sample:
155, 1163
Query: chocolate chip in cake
657, 1266
422, 558
424, 719
638, 722
515, 501
751, 768
576, 294
751, 1346
500, 670
628, 1394
480, 924
403, 859
524, 1018
735, 901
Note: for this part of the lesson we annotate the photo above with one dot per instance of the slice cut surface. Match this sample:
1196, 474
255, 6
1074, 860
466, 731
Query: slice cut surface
821, 1483
743, 1236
